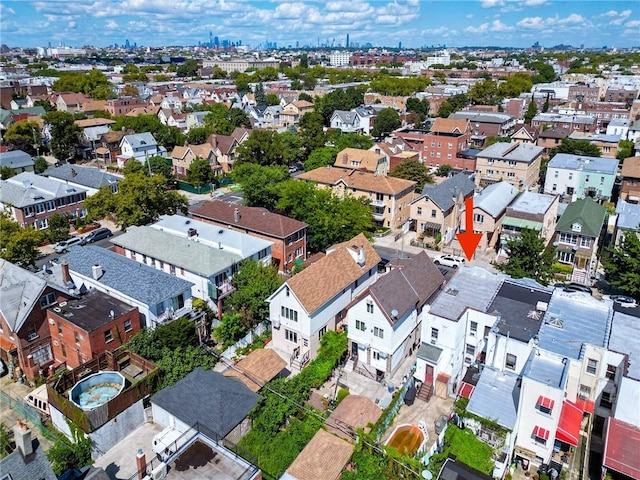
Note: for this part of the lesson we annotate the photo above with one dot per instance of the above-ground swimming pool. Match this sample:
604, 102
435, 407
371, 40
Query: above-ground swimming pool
96, 389
407, 439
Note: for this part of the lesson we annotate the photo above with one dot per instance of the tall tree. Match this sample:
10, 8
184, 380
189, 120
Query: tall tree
321, 157
622, 267
17, 244
576, 147
292, 143
453, 104
532, 111
260, 184
528, 257
58, 227
199, 172
484, 93
412, 169
160, 166
24, 135
262, 147
311, 131
64, 134
259, 95
386, 122
545, 106
420, 107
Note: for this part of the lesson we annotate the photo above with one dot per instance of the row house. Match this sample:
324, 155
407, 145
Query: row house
551, 138
288, 236
620, 128
627, 220
630, 188
198, 252
183, 156
438, 211
577, 237
32, 199
483, 125
578, 176
579, 123
621, 93
605, 112
70, 102
372, 161
315, 300
533, 211
516, 163
140, 147
78, 176
582, 93
25, 340
389, 196
525, 134
383, 330
445, 140
489, 209
123, 105
109, 145
607, 144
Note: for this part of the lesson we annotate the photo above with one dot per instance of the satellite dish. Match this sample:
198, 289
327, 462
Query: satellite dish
394, 313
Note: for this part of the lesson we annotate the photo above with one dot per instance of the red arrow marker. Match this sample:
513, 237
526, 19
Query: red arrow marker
469, 240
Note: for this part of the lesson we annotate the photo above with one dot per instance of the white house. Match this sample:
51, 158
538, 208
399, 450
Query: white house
384, 328
314, 300
139, 146
579, 176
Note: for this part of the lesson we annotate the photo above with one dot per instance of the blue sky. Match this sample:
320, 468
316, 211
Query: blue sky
516, 23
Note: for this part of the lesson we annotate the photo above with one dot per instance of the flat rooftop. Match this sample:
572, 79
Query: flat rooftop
625, 331
545, 368
533, 203
496, 397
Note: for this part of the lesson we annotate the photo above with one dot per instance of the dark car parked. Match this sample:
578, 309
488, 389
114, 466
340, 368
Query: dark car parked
96, 235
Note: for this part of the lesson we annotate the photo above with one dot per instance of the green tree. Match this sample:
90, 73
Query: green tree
444, 170
262, 147
576, 147
304, 61
188, 69
7, 172
532, 111
293, 147
352, 140
102, 114
160, 166
198, 135
6, 446
260, 184
386, 122
139, 200
398, 86
40, 164
46, 104
151, 343
338, 100
259, 95
271, 99
625, 149
529, 258
420, 107
622, 267
514, 85
223, 120
411, 169
66, 454
199, 172
321, 157
453, 104
17, 244
133, 166
64, 134
178, 363
23, 135
230, 330
545, 106
305, 96
311, 131
58, 227
484, 93
545, 74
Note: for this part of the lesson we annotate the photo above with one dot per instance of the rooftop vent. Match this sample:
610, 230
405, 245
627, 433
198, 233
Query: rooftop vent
192, 232
452, 291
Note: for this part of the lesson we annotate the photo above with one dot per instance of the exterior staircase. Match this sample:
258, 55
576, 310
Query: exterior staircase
581, 276
425, 392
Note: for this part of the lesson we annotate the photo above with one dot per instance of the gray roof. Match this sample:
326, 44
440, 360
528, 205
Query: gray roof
346, 116
140, 140
219, 403
556, 117
471, 287
16, 159
625, 331
35, 467
27, 188
442, 194
516, 306
518, 152
603, 137
199, 116
483, 117
628, 215
203, 260
587, 164
94, 133
546, 368
495, 198
232, 241
140, 282
20, 290
429, 352
533, 203
574, 318
86, 176
496, 397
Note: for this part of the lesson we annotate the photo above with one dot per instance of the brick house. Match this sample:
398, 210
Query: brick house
123, 105
630, 190
483, 125
289, 236
551, 138
83, 328
575, 123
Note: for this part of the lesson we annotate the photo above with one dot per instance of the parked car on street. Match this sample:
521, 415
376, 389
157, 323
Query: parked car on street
574, 287
623, 300
98, 234
65, 244
452, 261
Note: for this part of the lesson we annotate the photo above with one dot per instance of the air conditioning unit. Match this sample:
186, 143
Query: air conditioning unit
276, 323
52, 321
159, 472
55, 343
63, 304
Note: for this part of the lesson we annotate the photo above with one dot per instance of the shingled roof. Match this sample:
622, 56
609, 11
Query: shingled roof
589, 214
358, 180
443, 194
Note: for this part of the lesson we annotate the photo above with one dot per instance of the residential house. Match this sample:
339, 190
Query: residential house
90, 179
195, 119
628, 220
607, 144
32, 199
357, 120
630, 188
622, 439
86, 326
28, 460
579, 176
171, 103
634, 131
183, 156
578, 237
139, 146
71, 102
389, 196
534, 211
271, 117
485, 124
315, 300
92, 106
25, 341
312, 462
123, 105
258, 368
396, 151
224, 146
621, 93
17, 160
438, 211
517, 163
159, 296
446, 138
489, 208
619, 127
288, 236
147, 110
203, 254
525, 134
551, 138
364, 160
454, 468
109, 142
579, 123
384, 329
292, 112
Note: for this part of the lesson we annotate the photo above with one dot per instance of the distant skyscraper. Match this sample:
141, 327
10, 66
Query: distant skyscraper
210, 40
399, 45
347, 40
216, 42
127, 44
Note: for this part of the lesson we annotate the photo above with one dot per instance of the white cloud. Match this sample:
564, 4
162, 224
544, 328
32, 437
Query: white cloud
534, 3
483, 28
531, 22
112, 25
72, 24
632, 24
491, 3
498, 26
621, 17
469, 15
538, 23
4, 10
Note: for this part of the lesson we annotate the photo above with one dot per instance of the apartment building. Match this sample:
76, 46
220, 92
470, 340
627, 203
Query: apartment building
516, 163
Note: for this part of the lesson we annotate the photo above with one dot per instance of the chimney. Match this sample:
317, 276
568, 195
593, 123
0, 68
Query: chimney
22, 437
236, 215
141, 464
345, 158
377, 150
361, 257
66, 277
96, 272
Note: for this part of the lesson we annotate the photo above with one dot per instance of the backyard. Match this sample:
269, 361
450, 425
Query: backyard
466, 447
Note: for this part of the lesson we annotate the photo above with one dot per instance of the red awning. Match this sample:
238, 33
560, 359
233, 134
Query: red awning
621, 445
546, 402
540, 432
570, 423
465, 390
586, 405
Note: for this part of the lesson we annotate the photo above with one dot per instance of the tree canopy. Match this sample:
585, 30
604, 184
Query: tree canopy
529, 258
17, 244
532, 111
259, 183
311, 131
23, 135
622, 266
386, 122
398, 86
223, 120
453, 104
262, 147
64, 134
93, 83
338, 100
412, 169
321, 157
576, 147
199, 172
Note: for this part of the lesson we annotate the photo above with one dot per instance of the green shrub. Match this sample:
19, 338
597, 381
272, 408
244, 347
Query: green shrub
562, 268
342, 394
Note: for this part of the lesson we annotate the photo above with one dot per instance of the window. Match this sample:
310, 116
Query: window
378, 356
511, 361
585, 242
108, 336
555, 174
473, 328
321, 332
172, 269
584, 392
298, 252
32, 333
59, 328
540, 435
434, 335
433, 214
378, 332
554, 187
545, 405
76, 337
42, 355
569, 238
289, 313
478, 218
127, 326
64, 350
565, 257
360, 325
606, 400
291, 336
611, 372
48, 299
570, 175
287, 290
369, 307
489, 172
419, 210
592, 366
470, 350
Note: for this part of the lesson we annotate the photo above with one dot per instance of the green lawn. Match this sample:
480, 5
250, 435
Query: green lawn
467, 448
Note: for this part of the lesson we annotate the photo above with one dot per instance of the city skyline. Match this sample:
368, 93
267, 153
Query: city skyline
413, 23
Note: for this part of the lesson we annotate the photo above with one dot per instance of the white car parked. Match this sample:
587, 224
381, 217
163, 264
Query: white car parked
449, 261
64, 245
